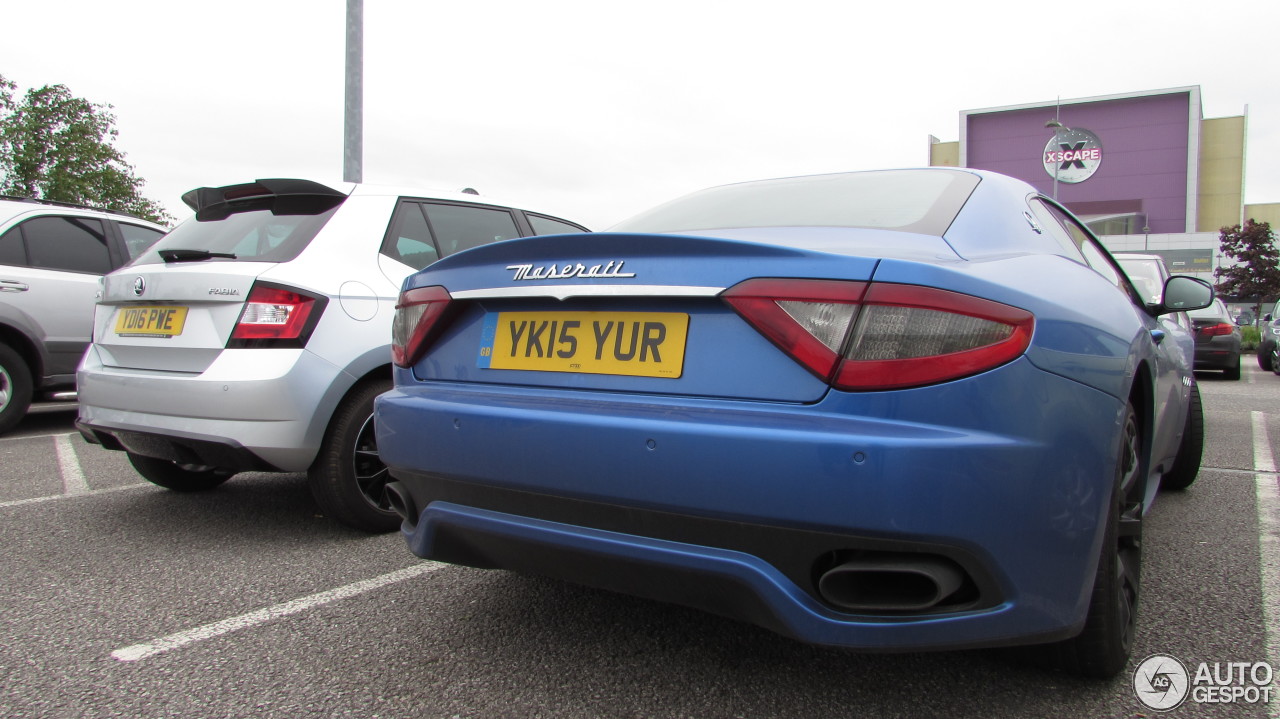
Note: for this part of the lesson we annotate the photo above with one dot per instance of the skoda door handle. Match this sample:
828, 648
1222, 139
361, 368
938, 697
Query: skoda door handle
1157, 336
11, 286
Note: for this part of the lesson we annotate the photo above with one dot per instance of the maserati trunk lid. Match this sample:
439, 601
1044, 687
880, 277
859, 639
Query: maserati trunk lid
633, 313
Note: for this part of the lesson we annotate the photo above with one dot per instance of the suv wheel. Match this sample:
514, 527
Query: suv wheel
15, 389
178, 477
348, 480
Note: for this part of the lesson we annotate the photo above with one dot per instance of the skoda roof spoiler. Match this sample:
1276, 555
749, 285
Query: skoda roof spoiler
281, 196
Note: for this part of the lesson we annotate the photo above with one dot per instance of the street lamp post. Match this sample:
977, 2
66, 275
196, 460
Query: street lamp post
1058, 130
353, 112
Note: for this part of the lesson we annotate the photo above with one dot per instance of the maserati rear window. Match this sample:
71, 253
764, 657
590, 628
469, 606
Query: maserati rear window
907, 200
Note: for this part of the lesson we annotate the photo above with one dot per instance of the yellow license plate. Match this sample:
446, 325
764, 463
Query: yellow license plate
636, 344
150, 321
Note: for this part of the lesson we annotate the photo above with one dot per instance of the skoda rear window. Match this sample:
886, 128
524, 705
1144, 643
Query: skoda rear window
921, 201
249, 236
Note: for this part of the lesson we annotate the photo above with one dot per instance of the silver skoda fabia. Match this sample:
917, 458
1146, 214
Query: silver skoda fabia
254, 336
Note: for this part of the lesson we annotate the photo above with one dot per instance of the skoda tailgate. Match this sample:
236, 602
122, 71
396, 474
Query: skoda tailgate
173, 318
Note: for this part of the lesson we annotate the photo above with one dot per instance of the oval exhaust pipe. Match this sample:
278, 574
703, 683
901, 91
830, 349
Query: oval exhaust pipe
402, 502
896, 584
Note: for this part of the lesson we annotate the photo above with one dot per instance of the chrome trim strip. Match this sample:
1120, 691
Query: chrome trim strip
562, 292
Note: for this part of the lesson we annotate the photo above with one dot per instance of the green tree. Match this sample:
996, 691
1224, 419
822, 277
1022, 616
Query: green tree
1257, 276
56, 146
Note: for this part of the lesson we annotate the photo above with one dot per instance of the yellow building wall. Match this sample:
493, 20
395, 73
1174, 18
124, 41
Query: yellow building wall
944, 154
1269, 212
1221, 191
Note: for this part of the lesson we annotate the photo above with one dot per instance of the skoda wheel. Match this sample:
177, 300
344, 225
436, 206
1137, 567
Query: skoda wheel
347, 479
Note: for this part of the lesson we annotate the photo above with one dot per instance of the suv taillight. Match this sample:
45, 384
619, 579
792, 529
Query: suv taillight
276, 316
417, 317
875, 336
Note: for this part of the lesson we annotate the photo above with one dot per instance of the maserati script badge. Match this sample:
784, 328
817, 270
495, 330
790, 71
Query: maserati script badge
555, 272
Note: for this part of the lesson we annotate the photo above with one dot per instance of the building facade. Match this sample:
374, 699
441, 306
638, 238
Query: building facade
1145, 170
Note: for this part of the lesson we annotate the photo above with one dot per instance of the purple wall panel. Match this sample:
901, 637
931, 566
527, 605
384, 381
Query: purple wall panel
1144, 162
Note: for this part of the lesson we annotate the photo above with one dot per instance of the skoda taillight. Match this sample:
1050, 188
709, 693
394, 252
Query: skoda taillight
418, 315
876, 336
276, 316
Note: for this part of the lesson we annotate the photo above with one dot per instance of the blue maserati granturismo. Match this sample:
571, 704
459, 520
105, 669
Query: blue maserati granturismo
891, 411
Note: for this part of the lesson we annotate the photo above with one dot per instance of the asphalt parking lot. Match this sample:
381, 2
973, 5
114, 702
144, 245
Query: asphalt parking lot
124, 600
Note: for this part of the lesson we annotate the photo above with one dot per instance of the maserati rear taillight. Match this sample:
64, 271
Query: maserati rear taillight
418, 315
874, 336
276, 316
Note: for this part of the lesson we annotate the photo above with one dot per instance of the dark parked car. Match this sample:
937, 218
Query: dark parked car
1217, 340
1269, 328
899, 410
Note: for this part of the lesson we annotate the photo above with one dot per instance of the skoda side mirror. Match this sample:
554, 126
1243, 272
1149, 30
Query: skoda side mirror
1182, 293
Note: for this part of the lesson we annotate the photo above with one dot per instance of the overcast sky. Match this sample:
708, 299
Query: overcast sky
596, 110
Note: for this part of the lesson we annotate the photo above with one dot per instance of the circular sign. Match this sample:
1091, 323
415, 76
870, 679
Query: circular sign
1072, 155
1161, 682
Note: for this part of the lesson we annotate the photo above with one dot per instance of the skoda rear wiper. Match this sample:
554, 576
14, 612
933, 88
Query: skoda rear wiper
192, 255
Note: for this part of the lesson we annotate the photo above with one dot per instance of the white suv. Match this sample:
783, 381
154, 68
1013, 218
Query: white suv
52, 256
255, 336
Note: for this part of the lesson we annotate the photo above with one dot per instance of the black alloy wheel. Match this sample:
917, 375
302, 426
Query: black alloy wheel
369, 471
1128, 543
348, 479
1103, 647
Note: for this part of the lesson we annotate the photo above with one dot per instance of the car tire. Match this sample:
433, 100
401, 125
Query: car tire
347, 479
16, 388
1103, 647
1265, 356
1234, 372
178, 477
1186, 466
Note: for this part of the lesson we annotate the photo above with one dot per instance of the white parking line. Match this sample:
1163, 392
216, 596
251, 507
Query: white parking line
73, 481
1264, 467
208, 631
19, 438
89, 493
